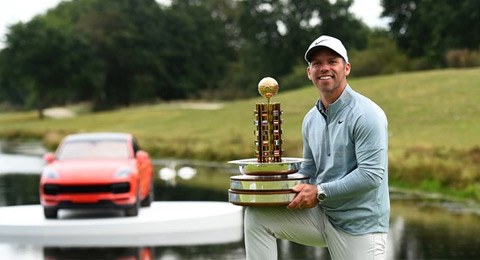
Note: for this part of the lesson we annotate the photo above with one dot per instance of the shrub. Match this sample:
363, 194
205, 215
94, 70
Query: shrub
381, 57
461, 58
437, 168
298, 78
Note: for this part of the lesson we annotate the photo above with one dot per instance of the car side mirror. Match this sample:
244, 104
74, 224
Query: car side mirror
49, 157
142, 156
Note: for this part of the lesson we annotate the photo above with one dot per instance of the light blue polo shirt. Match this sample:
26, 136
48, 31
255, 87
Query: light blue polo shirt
348, 152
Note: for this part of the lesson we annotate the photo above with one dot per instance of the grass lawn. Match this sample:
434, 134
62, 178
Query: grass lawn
434, 127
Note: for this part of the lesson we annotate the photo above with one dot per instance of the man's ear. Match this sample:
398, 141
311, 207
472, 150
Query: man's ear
348, 67
308, 73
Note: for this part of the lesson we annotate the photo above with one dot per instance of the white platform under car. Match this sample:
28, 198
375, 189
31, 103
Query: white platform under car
163, 223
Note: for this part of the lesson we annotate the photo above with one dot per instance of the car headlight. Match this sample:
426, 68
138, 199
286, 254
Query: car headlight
49, 173
122, 173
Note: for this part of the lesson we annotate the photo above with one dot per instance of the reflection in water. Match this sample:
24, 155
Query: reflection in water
19, 189
222, 251
25, 148
169, 173
417, 230
114, 253
21, 157
424, 231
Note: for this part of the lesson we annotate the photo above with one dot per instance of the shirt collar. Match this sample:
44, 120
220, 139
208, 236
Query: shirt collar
321, 108
338, 105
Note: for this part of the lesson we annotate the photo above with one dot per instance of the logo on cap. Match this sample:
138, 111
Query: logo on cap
319, 41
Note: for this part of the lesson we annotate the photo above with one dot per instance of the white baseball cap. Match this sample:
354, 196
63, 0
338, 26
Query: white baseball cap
326, 41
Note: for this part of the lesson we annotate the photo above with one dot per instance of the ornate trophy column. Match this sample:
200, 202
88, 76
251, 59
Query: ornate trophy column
268, 179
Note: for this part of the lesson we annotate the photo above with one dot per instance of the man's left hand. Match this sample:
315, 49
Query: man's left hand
306, 197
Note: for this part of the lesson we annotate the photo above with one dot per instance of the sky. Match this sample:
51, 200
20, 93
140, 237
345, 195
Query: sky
14, 11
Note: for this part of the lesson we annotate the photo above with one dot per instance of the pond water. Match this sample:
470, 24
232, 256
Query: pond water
418, 230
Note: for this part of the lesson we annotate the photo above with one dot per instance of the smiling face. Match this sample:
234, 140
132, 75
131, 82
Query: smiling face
328, 72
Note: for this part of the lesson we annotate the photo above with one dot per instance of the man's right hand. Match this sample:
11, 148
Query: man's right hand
306, 197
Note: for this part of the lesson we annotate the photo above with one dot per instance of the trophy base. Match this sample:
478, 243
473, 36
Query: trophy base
261, 198
266, 183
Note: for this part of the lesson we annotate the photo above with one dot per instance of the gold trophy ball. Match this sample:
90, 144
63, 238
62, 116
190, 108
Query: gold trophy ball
268, 87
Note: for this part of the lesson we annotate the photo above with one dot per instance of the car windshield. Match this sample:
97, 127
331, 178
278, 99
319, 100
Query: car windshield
88, 149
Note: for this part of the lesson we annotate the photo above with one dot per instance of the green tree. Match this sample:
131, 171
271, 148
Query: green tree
37, 60
123, 37
196, 50
428, 28
381, 57
144, 52
115, 52
275, 34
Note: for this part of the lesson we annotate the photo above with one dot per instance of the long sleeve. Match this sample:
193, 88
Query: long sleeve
370, 137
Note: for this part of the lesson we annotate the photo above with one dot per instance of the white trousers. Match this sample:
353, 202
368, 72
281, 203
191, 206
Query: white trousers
264, 225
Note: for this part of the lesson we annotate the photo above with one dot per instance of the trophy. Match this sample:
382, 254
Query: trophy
268, 179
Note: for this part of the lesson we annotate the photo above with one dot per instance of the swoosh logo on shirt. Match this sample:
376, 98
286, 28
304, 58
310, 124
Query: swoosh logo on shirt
340, 121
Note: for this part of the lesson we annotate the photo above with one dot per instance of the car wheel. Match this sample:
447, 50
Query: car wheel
50, 213
150, 197
133, 211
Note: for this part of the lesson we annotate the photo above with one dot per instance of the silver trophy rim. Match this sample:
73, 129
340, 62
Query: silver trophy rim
254, 161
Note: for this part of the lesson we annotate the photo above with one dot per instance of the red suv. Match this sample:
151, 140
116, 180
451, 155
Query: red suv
97, 170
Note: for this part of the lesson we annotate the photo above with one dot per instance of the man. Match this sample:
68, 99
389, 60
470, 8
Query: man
346, 207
